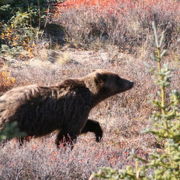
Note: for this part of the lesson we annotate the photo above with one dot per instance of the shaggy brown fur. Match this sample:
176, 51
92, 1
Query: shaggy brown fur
40, 110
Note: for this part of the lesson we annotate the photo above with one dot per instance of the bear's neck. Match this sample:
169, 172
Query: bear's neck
99, 96
98, 93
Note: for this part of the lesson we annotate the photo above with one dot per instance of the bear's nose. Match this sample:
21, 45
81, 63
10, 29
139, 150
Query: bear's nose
131, 84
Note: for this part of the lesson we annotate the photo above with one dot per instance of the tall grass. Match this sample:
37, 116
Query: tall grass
123, 23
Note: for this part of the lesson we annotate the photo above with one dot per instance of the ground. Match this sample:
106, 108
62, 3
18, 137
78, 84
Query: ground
123, 117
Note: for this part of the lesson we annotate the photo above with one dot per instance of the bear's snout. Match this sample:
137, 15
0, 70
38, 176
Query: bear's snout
131, 84
126, 85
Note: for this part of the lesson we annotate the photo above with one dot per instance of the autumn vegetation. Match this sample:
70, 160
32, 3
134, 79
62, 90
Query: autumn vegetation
45, 42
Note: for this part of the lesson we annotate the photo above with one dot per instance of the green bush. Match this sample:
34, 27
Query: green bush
21, 24
165, 163
9, 8
10, 131
18, 34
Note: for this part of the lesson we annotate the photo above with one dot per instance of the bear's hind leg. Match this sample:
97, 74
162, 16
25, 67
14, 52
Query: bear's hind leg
24, 139
65, 138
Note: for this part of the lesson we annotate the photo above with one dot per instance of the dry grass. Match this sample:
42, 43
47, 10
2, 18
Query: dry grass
124, 23
122, 117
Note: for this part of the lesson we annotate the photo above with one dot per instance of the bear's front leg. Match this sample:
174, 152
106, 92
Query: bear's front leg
93, 126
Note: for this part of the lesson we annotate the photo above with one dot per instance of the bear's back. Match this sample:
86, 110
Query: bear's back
46, 107
14, 98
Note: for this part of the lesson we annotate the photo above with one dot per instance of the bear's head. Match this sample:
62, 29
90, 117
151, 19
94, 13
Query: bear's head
111, 83
104, 84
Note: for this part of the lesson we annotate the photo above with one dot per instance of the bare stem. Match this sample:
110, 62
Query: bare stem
162, 88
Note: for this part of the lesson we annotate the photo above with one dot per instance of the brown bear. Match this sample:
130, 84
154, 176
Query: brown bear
40, 110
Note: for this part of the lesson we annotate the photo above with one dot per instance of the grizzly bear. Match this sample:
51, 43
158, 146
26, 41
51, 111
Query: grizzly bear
40, 110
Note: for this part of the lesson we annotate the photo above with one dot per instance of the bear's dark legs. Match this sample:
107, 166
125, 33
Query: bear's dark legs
93, 126
23, 139
65, 138
68, 137
20, 140
4, 142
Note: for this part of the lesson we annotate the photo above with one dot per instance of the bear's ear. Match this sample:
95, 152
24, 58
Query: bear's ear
100, 78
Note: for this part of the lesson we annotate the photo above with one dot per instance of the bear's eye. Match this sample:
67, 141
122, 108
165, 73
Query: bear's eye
117, 78
104, 78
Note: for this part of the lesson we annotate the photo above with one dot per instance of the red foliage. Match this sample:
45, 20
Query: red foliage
109, 5
76, 3
99, 4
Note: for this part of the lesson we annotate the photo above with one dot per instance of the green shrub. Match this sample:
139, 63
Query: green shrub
21, 24
165, 163
19, 34
11, 7
10, 131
